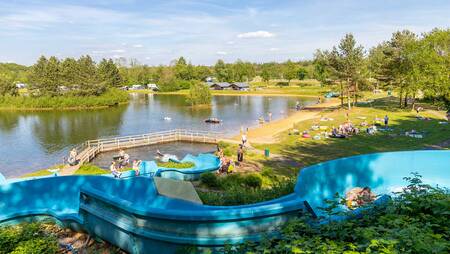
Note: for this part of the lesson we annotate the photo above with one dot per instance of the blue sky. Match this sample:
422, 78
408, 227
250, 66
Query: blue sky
156, 32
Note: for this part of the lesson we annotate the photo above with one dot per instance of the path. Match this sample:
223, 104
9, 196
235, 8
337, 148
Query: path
267, 133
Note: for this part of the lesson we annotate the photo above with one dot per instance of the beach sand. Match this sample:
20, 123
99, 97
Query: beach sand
267, 132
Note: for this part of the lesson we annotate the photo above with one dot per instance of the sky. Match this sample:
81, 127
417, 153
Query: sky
159, 31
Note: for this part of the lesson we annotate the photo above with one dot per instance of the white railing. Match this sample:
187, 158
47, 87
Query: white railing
89, 149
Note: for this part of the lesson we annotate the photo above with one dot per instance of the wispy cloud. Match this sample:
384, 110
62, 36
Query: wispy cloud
222, 53
138, 46
257, 34
274, 49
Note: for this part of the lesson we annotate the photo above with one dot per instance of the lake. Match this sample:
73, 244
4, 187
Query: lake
34, 140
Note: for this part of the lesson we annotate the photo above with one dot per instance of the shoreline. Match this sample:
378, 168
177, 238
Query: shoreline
266, 133
4, 109
232, 94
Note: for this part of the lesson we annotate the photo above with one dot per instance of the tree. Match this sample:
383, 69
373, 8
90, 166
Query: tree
265, 74
87, 77
290, 71
347, 61
109, 73
182, 70
302, 73
398, 63
69, 72
199, 94
7, 86
221, 70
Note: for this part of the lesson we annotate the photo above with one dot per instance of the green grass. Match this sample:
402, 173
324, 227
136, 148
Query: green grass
42, 172
309, 151
110, 98
172, 164
89, 169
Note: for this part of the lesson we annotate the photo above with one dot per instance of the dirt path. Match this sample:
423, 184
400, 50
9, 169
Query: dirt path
267, 133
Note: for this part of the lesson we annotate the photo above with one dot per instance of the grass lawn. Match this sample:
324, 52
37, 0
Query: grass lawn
89, 169
307, 151
172, 164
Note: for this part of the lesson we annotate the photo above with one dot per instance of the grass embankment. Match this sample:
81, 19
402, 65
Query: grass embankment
110, 98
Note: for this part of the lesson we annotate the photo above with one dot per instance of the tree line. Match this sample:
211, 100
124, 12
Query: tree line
410, 64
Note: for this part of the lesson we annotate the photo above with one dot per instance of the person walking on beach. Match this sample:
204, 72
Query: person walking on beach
386, 121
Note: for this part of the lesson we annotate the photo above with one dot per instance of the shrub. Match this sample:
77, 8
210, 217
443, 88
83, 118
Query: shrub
253, 181
27, 238
47, 245
209, 179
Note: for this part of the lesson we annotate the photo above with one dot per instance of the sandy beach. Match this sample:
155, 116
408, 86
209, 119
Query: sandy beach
267, 132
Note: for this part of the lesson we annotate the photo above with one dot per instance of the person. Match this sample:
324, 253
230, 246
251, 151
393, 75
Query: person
359, 196
231, 167
244, 139
270, 116
72, 160
136, 165
297, 105
319, 100
386, 121
114, 170
240, 154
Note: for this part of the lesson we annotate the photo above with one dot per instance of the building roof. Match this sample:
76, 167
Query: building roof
241, 84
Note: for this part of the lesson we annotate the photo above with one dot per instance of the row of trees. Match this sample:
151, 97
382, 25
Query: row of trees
80, 76
407, 63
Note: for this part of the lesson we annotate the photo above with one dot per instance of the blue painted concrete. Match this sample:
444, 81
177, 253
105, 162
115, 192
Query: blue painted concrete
132, 215
203, 163
382, 172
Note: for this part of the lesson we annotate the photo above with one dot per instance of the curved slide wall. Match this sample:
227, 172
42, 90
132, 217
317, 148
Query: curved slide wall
203, 163
132, 215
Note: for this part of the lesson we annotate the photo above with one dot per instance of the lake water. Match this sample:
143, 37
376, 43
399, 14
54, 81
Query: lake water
36, 140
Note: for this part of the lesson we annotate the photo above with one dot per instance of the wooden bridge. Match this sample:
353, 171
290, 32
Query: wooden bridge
89, 149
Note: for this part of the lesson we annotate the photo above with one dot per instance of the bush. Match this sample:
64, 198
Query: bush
416, 221
199, 94
209, 179
241, 195
27, 238
46, 245
109, 98
253, 181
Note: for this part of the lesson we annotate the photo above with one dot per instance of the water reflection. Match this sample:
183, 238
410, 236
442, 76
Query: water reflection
34, 140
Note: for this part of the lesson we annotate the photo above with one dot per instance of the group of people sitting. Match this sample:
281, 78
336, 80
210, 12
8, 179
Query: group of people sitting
227, 164
120, 161
344, 130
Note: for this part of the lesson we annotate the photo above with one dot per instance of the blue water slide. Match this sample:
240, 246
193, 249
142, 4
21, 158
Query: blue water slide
130, 213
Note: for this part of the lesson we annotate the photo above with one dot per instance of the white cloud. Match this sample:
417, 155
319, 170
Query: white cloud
138, 46
118, 51
230, 42
257, 34
274, 49
221, 53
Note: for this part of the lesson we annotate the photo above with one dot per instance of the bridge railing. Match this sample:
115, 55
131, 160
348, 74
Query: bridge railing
89, 149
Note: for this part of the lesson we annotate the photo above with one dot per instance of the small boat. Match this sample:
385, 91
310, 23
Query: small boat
213, 120
166, 118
